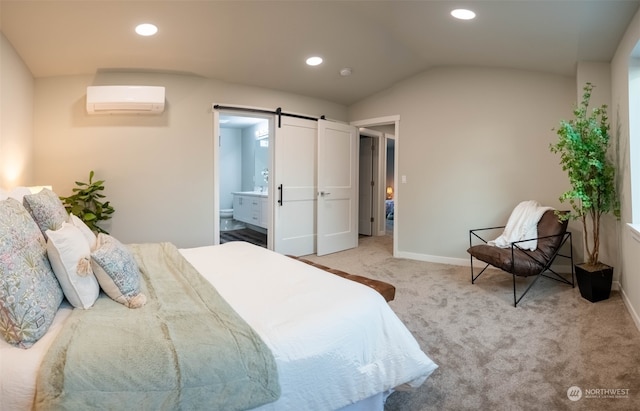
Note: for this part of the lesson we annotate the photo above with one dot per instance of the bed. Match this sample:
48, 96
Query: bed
335, 344
389, 209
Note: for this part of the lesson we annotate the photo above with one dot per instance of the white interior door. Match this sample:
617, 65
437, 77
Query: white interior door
365, 186
337, 206
294, 192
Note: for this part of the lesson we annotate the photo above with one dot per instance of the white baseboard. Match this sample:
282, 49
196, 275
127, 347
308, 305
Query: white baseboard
433, 258
615, 285
627, 303
464, 262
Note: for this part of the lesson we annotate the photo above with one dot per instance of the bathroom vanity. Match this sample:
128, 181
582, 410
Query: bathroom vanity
251, 207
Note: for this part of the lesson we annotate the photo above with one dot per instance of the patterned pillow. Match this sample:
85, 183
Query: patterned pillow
69, 254
29, 291
18, 193
117, 271
46, 209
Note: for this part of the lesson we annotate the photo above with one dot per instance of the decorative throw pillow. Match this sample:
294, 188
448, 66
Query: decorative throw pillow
70, 258
46, 209
29, 291
18, 193
117, 271
86, 231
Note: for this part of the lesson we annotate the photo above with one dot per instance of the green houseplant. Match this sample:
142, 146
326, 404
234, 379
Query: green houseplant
86, 203
583, 144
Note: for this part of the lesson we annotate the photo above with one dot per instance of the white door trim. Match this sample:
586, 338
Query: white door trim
216, 177
379, 179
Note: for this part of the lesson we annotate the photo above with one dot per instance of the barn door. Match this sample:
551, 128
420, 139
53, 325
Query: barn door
294, 196
337, 205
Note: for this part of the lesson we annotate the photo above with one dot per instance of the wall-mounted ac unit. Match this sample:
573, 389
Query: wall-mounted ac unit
125, 99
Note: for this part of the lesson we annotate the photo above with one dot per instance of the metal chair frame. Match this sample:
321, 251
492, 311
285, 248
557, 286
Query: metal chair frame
546, 265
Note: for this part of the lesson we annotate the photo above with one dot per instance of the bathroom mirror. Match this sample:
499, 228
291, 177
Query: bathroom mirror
261, 156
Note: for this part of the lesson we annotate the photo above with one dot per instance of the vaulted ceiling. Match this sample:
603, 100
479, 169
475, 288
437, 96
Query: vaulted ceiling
265, 43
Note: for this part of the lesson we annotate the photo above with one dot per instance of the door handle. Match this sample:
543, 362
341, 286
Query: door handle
324, 193
280, 194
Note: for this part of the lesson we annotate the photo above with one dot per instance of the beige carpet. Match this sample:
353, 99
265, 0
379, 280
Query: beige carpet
493, 356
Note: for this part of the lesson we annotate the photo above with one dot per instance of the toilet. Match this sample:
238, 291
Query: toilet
227, 223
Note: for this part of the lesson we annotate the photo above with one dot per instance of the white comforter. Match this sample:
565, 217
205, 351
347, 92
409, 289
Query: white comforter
335, 341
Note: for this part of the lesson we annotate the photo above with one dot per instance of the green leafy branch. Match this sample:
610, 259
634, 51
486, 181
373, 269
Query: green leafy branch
583, 146
87, 203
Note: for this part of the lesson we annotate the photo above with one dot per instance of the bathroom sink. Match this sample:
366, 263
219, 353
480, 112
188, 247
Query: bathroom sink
253, 193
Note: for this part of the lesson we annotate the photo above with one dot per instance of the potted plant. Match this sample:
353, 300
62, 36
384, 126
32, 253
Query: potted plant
87, 204
583, 145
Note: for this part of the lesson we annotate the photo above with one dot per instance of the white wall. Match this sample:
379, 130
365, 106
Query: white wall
230, 165
16, 118
473, 143
158, 169
630, 141
248, 158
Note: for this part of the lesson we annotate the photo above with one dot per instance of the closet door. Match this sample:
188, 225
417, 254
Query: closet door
294, 196
337, 187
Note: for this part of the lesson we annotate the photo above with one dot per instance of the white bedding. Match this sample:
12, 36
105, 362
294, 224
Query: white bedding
19, 368
336, 342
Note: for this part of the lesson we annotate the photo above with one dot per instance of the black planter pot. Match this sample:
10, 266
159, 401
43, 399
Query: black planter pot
594, 285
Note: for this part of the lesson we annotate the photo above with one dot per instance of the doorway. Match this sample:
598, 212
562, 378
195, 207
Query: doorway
389, 211
244, 164
387, 130
368, 182
376, 182
311, 187
366, 185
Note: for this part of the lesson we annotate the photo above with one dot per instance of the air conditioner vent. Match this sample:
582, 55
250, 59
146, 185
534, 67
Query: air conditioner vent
125, 99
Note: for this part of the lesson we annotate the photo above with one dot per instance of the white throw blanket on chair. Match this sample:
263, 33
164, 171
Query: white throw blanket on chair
522, 225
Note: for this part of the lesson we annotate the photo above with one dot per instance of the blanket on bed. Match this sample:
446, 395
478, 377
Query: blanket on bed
185, 349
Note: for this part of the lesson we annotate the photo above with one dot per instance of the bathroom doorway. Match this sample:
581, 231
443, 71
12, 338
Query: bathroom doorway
244, 165
312, 173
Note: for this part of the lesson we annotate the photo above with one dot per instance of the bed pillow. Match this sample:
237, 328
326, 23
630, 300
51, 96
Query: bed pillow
29, 291
117, 271
18, 193
89, 235
70, 258
46, 209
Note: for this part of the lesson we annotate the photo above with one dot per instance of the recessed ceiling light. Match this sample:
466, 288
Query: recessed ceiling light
463, 14
314, 61
146, 29
347, 71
